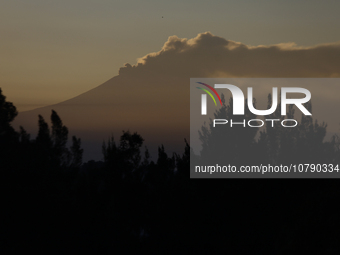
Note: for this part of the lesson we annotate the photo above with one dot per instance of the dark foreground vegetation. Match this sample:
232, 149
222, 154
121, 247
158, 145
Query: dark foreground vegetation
128, 204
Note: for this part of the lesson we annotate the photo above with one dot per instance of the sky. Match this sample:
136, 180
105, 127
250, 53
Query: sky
52, 51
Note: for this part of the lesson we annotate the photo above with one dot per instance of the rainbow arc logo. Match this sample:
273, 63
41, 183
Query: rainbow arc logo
207, 91
204, 97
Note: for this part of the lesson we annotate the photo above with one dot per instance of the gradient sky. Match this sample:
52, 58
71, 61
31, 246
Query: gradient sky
54, 50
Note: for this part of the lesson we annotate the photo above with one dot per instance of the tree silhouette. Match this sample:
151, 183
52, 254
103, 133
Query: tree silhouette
274, 144
59, 139
126, 156
129, 204
224, 141
8, 137
76, 153
7, 114
302, 144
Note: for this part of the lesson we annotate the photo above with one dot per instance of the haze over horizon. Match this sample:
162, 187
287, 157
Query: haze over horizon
152, 97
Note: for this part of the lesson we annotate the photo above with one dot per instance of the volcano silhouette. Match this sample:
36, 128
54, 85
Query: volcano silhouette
157, 107
152, 97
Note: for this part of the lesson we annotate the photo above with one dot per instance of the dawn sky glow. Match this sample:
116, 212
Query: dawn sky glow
54, 50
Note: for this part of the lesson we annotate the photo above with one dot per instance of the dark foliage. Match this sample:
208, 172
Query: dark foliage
129, 204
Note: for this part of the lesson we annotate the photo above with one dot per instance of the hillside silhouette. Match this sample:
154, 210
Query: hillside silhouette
128, 204
115, 105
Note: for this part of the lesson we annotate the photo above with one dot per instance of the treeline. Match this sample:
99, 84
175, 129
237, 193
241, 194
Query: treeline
129, 204
273, 144
56, 204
